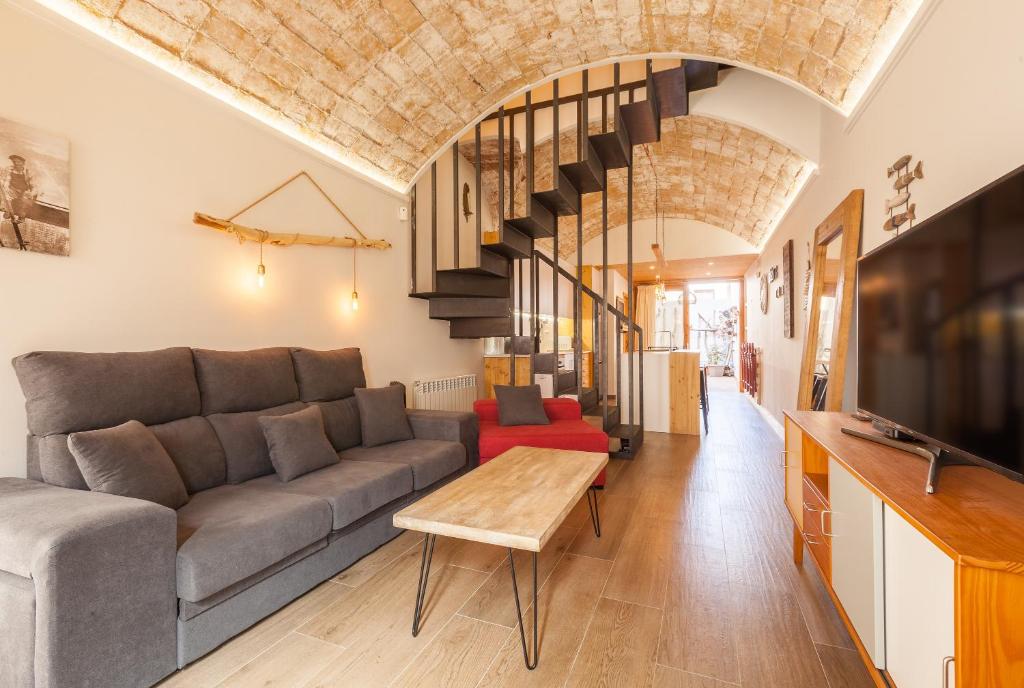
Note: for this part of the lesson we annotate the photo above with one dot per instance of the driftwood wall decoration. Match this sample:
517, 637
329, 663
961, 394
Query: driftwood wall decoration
787, 289
904, 178
245, 233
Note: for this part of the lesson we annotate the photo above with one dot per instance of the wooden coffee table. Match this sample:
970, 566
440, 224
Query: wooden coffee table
516, 500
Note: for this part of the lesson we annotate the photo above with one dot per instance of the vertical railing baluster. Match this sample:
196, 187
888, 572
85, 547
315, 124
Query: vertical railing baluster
455, 204
501, 172
412, 240
529, 149
604, 297
630, 310
555, 137
433, 226
616, 97
519, 318
479, 183
512, 166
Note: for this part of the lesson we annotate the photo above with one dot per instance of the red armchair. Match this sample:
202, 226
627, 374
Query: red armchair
567, 430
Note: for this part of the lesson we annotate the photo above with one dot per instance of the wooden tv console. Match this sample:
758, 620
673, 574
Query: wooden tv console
931, 587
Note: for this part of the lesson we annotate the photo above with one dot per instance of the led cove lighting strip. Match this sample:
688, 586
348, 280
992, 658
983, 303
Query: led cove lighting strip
123, 37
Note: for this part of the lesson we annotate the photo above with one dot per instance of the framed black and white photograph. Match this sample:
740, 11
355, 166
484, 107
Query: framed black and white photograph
35, 176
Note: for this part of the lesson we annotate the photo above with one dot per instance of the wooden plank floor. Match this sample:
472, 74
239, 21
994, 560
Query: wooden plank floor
692, 585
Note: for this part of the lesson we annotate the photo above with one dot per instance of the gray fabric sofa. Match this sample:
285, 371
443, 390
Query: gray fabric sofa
102, 590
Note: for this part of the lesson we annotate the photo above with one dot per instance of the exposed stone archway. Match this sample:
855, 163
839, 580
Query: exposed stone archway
382, 84
704, 169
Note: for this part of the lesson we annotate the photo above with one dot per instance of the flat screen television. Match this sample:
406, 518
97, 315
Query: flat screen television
940, 336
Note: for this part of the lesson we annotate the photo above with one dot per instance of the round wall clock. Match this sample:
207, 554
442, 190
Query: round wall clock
764, 293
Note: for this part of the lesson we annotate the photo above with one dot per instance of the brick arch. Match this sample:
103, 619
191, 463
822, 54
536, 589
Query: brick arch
381, 85
706, 169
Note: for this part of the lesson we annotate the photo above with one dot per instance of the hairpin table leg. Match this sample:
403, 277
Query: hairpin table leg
519, 613
421, 590
595, 514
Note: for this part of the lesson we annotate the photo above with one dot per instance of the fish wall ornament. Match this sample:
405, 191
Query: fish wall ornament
896, 220
904, 180
900, 163
897, 201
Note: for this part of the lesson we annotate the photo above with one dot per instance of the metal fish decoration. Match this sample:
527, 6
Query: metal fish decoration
897, 220
902, 162
897, 201
904, 180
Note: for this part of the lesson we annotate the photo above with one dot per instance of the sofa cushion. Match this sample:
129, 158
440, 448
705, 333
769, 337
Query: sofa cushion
68, 392
297, 443
520, 405
128, 460
231, 381
56, 464
430, 460
245, 449
231, 532
195, 450
382, 416
558, 408
328, 375
352, 488
341, 421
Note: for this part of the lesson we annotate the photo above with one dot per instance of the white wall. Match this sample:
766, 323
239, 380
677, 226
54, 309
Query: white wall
147, 151
683, 239
954, 99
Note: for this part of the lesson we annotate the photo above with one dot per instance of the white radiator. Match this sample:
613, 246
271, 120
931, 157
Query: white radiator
456, 393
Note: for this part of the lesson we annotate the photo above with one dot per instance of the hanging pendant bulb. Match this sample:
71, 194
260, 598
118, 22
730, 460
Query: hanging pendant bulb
261, 270
355, 294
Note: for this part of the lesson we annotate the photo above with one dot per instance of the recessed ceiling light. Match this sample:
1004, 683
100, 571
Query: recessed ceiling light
708, 272
651, 267
711, 262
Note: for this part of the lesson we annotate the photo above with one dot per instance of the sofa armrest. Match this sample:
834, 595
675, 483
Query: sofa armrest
454, 426
99, 571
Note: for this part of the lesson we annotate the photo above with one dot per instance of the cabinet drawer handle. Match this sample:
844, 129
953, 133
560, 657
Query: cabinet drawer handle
945, 671
810, 539
783, 456
808, 507
825, 531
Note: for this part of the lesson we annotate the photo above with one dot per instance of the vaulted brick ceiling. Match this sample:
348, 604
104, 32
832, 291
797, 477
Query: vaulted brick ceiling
382, 84
702, 169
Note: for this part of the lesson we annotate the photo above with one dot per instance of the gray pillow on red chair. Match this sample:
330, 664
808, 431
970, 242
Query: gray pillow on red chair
520, 405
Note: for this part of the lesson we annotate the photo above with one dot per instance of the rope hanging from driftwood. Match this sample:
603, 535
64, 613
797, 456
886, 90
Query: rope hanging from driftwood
244, 233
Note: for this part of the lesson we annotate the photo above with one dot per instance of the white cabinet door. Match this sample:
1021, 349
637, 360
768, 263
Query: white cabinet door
918, 606
855, 523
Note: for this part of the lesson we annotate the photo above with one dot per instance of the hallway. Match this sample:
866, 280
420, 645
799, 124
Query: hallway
691, 586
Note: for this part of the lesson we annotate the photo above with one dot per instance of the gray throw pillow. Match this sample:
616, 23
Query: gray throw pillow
128, 460
520, 405
297, 442
382, 415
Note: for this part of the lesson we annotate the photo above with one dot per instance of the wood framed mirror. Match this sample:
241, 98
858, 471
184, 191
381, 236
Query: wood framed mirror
834, 252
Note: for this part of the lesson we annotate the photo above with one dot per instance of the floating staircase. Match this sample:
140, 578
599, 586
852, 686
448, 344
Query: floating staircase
480, 300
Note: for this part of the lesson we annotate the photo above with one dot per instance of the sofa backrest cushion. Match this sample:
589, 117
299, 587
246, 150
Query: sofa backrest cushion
195, 450
555, 409
56, 465
341, 421
70, 392
233, 381
245, 449
328, 375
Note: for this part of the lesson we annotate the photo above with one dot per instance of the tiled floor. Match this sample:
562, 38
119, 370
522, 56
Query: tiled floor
690, 586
